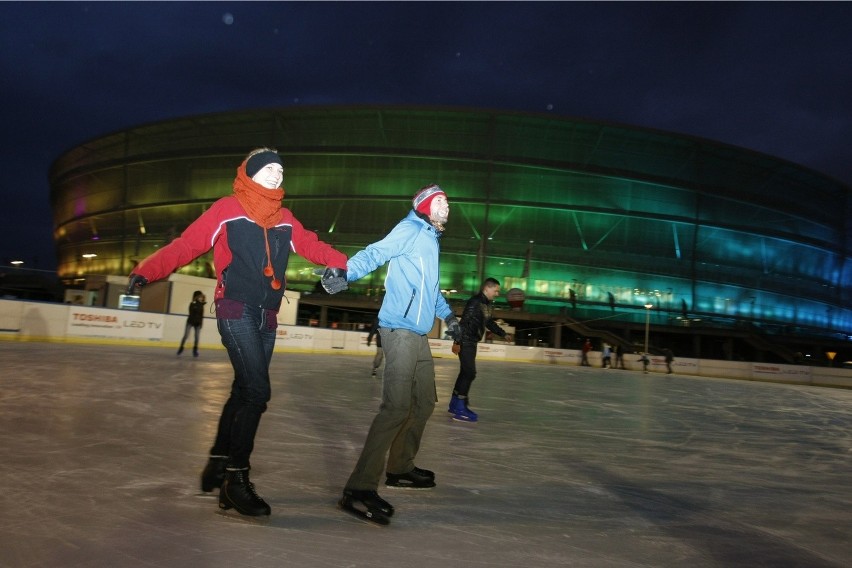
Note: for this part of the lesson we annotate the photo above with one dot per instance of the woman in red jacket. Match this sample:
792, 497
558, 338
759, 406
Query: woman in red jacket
251, 235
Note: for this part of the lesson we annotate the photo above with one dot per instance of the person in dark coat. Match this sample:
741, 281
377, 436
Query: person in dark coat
194, 321
669, 358
475, 319
380, 353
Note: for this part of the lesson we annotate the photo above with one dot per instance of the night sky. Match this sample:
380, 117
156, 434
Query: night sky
770, 77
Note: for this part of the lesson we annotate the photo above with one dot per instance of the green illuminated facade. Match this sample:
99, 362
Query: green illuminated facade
547, 205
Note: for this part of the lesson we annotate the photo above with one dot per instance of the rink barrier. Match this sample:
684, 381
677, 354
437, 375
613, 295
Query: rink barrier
66, 323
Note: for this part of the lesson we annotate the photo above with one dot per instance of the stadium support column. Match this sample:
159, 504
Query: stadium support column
648, 308
694, 259
556, 336
489, 186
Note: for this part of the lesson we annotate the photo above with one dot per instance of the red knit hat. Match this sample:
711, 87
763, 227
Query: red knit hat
422, 201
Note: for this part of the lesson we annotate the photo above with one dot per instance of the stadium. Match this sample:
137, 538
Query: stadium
600, 230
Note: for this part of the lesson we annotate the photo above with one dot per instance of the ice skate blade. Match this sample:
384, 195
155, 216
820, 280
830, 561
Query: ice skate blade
459, 418
410, 487
401, 484
234, 515
255, 514
370, 517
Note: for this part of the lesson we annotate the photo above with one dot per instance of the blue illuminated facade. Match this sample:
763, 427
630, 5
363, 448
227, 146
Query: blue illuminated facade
618, 215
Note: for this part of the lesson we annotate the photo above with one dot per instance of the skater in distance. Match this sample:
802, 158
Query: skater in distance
412, 301
380, 353
194, 321
251, 235
476, 318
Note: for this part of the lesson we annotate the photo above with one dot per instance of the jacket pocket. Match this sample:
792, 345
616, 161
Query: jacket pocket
410, 301
229, 309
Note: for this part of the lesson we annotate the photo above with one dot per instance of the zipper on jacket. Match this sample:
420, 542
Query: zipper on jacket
410, 301
422, 288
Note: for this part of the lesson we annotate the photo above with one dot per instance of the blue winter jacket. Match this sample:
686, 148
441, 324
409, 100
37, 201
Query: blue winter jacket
412, 286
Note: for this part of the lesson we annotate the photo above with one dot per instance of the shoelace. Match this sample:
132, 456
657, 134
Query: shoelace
253, 492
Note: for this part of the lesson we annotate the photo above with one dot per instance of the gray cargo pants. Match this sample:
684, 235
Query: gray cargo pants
408, 400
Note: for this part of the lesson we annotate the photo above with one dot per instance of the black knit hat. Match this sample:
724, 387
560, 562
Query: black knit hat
261, 160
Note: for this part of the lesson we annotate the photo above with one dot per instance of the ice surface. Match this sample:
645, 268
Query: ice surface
103, 447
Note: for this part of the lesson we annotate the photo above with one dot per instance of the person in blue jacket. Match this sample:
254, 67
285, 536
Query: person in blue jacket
412, 301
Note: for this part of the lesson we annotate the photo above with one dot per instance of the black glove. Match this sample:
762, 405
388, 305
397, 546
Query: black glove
453, 327
135, 281
334, 280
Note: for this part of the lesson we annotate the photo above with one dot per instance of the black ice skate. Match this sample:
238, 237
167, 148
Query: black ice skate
415, 479
366, 505
238, 492
214, 473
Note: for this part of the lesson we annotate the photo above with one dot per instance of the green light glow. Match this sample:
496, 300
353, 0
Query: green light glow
611, 209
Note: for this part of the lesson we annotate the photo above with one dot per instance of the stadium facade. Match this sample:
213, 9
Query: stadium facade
588, 219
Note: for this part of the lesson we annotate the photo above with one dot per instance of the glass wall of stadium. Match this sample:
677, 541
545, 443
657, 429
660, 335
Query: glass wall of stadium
619, 216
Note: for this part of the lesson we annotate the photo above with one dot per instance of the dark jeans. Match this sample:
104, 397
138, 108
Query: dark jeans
249, 341
408, 400
197, 329
467, 370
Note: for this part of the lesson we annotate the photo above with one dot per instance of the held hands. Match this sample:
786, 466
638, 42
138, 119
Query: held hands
509, 338
453, 327
134, 282
334, 280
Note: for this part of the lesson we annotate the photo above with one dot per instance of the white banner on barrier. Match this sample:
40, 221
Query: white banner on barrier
295, 337
493, 349
441, 348
687, 366
84, 321
777, 371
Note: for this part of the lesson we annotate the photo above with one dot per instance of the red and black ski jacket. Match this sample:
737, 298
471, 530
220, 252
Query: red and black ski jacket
239, 252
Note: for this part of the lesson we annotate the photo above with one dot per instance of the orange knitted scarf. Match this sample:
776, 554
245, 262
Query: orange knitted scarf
263, 206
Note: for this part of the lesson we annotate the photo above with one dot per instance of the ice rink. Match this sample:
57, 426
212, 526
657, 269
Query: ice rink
568, 466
